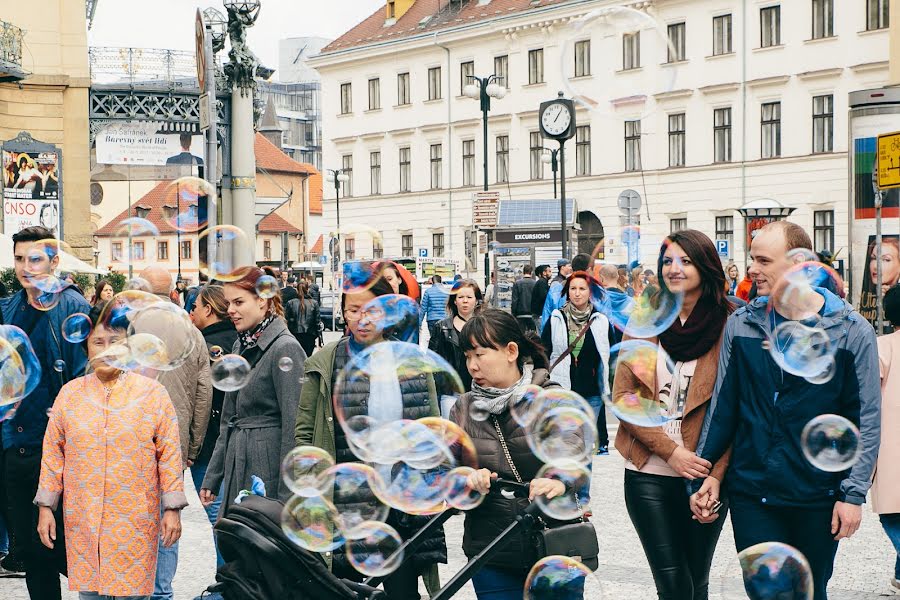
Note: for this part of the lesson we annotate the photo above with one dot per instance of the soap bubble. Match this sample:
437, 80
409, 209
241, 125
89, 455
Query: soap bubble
642, 359
312, 523
267, 287
302, 467
59, 365
561, 577
795, 296
136, 226
564, 435
775, 570
215, 353
230, 373
374, 550
181, 204
395, 315
20, 370
572, 503
168, 335
527, 406
411, 490
460, 495
233, 258
76, 328
801, 348
42, 259
350, 489
285, 363
454, 439
831, 443
642, 317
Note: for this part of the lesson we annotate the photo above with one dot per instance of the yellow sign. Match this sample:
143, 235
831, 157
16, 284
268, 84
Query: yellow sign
889, 160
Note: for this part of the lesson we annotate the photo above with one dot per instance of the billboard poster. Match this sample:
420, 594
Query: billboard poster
890, 274
143, 143
31, 190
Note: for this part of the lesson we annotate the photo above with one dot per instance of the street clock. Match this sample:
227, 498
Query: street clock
557, 119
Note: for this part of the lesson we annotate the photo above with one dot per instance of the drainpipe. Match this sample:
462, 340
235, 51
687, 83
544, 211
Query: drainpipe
449, 150
744, 107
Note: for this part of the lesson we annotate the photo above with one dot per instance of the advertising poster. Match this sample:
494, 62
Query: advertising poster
31, 191
890, 274
143, 144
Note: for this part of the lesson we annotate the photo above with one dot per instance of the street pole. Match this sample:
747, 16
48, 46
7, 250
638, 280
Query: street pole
555, 167
562, 196
178, 229
879, 240
213, 203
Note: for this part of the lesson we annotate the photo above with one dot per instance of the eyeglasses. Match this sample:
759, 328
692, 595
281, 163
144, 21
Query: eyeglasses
353, 315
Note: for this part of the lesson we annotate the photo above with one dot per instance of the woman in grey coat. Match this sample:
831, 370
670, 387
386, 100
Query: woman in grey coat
258, 419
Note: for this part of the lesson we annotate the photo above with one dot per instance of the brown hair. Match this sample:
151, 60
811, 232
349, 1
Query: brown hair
702, 252
213, 296
248, 283
794, 235
493, 328
98, 290
463, 283
593, 284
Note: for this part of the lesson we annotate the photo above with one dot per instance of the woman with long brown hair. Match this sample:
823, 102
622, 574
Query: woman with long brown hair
258, 418
302, 314
103, 292
463, 302
679, 547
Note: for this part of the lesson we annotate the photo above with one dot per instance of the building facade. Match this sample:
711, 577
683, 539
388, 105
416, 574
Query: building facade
739, 102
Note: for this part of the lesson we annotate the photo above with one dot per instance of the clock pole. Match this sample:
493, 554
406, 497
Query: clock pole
562, 195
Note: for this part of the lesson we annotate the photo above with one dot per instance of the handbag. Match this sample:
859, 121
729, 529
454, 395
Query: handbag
577, 540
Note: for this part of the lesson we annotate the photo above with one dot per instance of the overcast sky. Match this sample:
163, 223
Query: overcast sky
170, 23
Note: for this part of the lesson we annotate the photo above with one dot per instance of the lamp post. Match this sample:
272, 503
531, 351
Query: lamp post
552, 159
336, 176
483, 89
759, 213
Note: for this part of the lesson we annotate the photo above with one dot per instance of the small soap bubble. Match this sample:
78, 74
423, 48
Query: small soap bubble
267, 287
59, 365
775, 570
285, 363
374, 551
230, 373
555, 577
76, 328
830, 443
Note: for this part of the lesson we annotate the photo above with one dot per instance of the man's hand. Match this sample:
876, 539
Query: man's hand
170, 530
703, 502
46, 526
845, 519
206, 497
190, 463
688, 465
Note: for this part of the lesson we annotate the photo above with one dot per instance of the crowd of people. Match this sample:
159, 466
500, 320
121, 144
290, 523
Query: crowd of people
97, 450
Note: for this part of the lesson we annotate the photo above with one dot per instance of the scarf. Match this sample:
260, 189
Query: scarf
496, 400
694, 338
250, 338
576, 317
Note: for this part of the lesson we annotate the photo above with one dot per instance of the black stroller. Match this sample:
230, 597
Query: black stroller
261, 563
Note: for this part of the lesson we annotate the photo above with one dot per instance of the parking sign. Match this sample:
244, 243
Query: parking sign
723, 248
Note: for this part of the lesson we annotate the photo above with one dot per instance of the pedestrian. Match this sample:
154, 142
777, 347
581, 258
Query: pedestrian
744, 288
461, 306
112, 538
190, 390
679, 548
732, 278
315, 291
563, 270
522, 291
315, 427
503, 361
886, 487
760, 410
651, 285
577, 339
284, 279
434, 304
289, 291
191, 296
23, 434
581, 262
490, 292
302, 316
210, 316
257, 419
103, 292
541, 288
403, 283
637, 283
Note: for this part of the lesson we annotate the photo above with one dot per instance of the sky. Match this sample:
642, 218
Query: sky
169, 24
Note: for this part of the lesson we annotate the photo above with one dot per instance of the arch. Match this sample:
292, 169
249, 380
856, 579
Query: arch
590, 235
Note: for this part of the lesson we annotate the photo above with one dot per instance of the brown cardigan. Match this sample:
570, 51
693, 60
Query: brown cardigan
637, 443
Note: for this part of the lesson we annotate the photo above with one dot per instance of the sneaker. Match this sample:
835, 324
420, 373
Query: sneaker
895, 583
14, 570
603, 451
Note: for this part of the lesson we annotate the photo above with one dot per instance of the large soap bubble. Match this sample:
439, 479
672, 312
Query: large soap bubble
571, 504
302, 467
20, 370
182, 204
775, 570
561, 577
641, 359
564, 435
230, 373
350, 487
375, 550
233, 256
312, 523
393, 315
831, 443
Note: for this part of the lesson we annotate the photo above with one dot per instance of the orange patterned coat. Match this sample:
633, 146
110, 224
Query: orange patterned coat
113, 467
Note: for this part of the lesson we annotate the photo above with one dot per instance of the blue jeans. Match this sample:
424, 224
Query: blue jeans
96, 596
499, 584
891, 525
166, 565
198, 472
596, 402
4, 536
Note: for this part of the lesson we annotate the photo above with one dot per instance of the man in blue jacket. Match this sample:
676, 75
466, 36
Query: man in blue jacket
23, 435
434, 304
759, 410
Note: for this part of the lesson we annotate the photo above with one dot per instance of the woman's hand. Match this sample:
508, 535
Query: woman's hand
480, 480
46, 526
207, 497
704, 501
170, 530
549, 488
688, 465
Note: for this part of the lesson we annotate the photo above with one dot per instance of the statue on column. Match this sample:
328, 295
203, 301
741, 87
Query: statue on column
242, 62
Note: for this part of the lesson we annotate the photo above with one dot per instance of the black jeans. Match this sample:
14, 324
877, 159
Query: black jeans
679, 549
42, 565
307, 341
806, 529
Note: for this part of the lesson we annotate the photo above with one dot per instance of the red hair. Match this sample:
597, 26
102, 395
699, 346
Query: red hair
248, 283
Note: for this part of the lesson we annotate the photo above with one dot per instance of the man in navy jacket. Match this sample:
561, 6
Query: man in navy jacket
759, 410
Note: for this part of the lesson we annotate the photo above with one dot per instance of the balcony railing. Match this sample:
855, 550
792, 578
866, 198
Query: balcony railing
10, 45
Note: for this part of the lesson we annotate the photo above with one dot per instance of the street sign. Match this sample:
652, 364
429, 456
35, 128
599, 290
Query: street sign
723, 248
889, 160
323, 260
482, 243
629, 201
423, 252
200, 45
204, 112
485, 209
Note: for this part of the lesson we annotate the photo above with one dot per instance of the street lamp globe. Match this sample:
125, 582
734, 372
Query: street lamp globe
343, 178
495, 90
218, 24
329, 177
472, 91
546, 158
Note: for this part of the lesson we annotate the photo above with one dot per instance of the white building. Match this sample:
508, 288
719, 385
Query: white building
756, 108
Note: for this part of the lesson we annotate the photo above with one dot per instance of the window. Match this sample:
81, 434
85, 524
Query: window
725, 230
722, 35
501, 69
536, 66
877, 14
582, 58
823, 123
347, 168
770, 26
375, 172
823, 230
677, 49
771, 130
404, 169
406, 244
722, 135
468, 156
583, 150
267, 249
142, 212
502, 158
434, 83
437, 243
631, 51
466, 73
349, 248
632, 145
186, 250
138, 251
676, 225
391, 9
162, 250
822, 19
117, 251
377, 247
536, 150
346, 99
374, 94
436, 163
676, 140
403, 89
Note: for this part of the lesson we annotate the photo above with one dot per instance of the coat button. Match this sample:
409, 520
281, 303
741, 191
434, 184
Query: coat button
21, 450
20, 429
763, 500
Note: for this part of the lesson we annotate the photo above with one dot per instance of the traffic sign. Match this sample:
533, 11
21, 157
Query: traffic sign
485, 209
323, 260
423, 252
629, 201
723, 248
204, 112
889, 160
200, 41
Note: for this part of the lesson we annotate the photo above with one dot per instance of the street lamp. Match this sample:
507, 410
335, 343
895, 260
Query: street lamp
552, 159
217, 24
336, 176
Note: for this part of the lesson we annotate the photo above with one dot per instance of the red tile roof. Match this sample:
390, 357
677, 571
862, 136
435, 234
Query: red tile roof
273, 223
444, 15
157, 198
318, 246
315, 194
270, 158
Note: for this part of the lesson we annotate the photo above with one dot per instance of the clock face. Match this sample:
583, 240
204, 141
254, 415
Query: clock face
556, 119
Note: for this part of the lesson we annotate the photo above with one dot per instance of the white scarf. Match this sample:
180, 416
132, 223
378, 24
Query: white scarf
496, 400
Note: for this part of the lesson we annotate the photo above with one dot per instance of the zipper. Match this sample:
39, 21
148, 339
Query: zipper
775, 399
